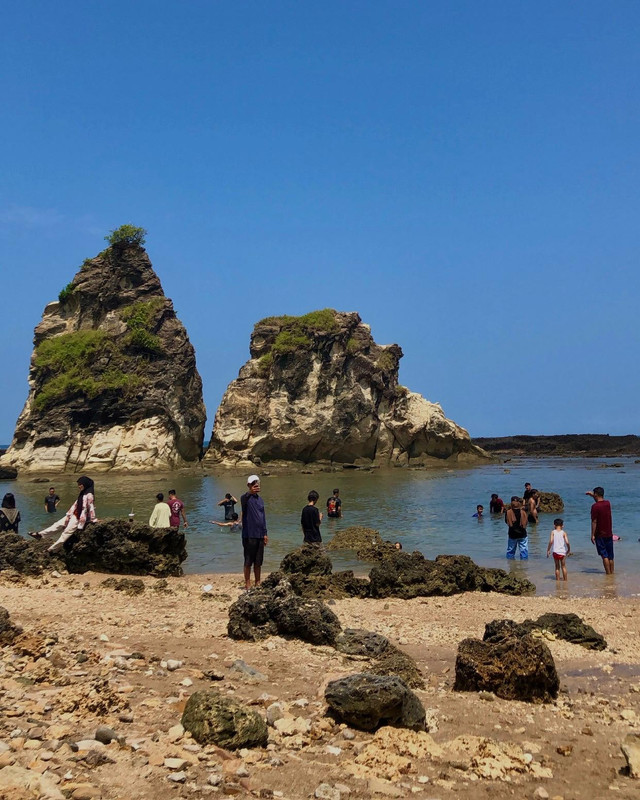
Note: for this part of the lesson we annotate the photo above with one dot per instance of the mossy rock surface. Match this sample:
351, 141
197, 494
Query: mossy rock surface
212, 718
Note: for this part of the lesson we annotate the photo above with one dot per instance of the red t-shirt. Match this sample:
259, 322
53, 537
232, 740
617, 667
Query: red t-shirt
601, 512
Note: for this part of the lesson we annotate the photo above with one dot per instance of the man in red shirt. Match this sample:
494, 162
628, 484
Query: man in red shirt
602, 528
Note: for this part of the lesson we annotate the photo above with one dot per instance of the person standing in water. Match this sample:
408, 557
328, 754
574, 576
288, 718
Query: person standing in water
602, 528
310, 519
81, 512
177, 508
51, 501
229, 504
9, 514
334, 504
559, 545
161, 514
516, 519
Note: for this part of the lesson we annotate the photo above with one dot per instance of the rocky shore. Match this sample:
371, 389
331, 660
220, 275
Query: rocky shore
573, 444
96, 676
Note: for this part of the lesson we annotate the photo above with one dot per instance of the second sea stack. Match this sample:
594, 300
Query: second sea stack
113, 383
318, 388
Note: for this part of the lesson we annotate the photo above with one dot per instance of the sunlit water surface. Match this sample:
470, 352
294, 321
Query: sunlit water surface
430, 511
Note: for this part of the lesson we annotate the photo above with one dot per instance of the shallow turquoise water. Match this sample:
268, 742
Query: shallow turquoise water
429, 511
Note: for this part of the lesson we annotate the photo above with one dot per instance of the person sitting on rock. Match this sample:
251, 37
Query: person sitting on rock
9, 514
81, 512
234, 523
496, 504
161, 514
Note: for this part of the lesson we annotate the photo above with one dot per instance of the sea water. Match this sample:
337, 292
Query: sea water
427, 510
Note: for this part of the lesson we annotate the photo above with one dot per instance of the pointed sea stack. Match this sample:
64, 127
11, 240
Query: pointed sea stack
113, 379
317, 388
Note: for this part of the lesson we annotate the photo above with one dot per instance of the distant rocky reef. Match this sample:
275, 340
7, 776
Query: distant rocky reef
571, 444
113, 379
318, 388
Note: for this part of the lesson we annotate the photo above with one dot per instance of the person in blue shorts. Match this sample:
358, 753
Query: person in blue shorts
516, 519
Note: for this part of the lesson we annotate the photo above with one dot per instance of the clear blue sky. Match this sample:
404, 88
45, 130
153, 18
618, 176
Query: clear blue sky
465, 175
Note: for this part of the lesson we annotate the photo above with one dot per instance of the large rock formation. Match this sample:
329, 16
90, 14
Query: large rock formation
113, 379
317, 388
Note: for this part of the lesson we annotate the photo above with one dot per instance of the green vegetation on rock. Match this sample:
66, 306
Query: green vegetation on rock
139, 318
353, 346
70, 364
385, 361
66, 293
126, 235
296, 332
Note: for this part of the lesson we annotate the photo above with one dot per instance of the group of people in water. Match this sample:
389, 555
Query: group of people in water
170, 513
524, 510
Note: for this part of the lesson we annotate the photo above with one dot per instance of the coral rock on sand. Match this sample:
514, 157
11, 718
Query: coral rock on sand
106, 546
267, 611
212, 718
564, 626
513, 668
367, 701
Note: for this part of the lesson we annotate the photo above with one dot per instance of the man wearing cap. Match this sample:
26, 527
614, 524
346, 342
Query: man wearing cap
254, 530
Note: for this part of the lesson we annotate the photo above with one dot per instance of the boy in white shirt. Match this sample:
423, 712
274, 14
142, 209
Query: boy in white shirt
559, 544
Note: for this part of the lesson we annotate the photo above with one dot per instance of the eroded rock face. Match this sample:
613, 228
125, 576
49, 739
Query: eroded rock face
319, 389
513, 668
212, 718
113, 383
367, 701
107, 546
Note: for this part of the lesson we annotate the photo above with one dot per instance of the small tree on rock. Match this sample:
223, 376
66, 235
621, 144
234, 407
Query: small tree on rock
126, 235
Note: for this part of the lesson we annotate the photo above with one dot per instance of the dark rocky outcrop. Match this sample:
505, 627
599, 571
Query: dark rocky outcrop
270, 610
8, 631
410, 575
367, 543
569, 627
108, 546
367, 701
572, 444
212, 718
388, 659
550, 503
317, 388
512, 667
113, 379
8, 473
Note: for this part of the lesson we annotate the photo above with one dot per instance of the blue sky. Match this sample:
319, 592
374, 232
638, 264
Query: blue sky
465, 175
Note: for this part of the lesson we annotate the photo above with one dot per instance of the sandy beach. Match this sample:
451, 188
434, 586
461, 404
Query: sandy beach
92, 655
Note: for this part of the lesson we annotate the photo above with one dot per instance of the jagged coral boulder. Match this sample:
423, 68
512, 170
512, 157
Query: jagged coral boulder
367, 701
513, 668
569, 627
271, 610
410, 575
550, 503
318, 388
212, 718
113, 379
106, 546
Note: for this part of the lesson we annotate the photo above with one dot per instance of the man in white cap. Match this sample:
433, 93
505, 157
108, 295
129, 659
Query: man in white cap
254, 530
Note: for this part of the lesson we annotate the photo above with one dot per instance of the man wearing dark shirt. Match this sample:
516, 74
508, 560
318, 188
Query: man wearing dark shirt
602, 528
311, 519
229, 504
254, 530
334, 504
51, 501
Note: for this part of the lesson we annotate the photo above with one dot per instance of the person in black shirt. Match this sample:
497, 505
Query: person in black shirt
51, 501
311, 519
334, 504
229, 503
9, 514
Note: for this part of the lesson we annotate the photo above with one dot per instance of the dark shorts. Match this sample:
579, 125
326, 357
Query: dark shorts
253, 552
604, 546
